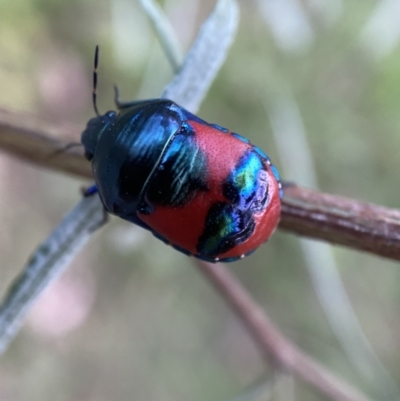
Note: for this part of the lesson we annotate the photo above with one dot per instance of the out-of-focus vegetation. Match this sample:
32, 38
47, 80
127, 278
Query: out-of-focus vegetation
132, 319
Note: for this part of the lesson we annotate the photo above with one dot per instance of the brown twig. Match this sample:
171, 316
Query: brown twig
339, 220
343, 221
274, 345
38, 141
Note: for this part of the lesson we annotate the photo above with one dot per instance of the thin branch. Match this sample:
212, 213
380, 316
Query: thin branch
166, 33
274, 345
48, 262
336, 219
186, 87
342, 221
41, 142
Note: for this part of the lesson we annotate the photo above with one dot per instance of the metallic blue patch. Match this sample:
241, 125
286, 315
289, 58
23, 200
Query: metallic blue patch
225, 227
275, 172
223, 260
245, 175
240, 137
247, 184
128, 149
181, 172
231, 223
281, 193
219, 128
261, 153
228, 260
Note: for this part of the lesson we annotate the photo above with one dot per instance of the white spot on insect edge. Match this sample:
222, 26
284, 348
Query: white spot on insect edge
242, 256
216, 259
269, 162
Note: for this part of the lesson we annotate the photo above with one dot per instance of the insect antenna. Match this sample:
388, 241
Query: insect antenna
65, 149
94, 99
94, 94
71, 145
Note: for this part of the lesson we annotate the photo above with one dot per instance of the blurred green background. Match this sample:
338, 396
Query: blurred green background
132, 318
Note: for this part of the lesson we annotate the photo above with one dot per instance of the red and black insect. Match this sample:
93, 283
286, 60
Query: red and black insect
204, 190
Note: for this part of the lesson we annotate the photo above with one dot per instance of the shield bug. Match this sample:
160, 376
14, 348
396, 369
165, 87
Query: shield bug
199, 187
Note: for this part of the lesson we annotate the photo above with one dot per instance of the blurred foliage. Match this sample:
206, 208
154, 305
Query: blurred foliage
132, 319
